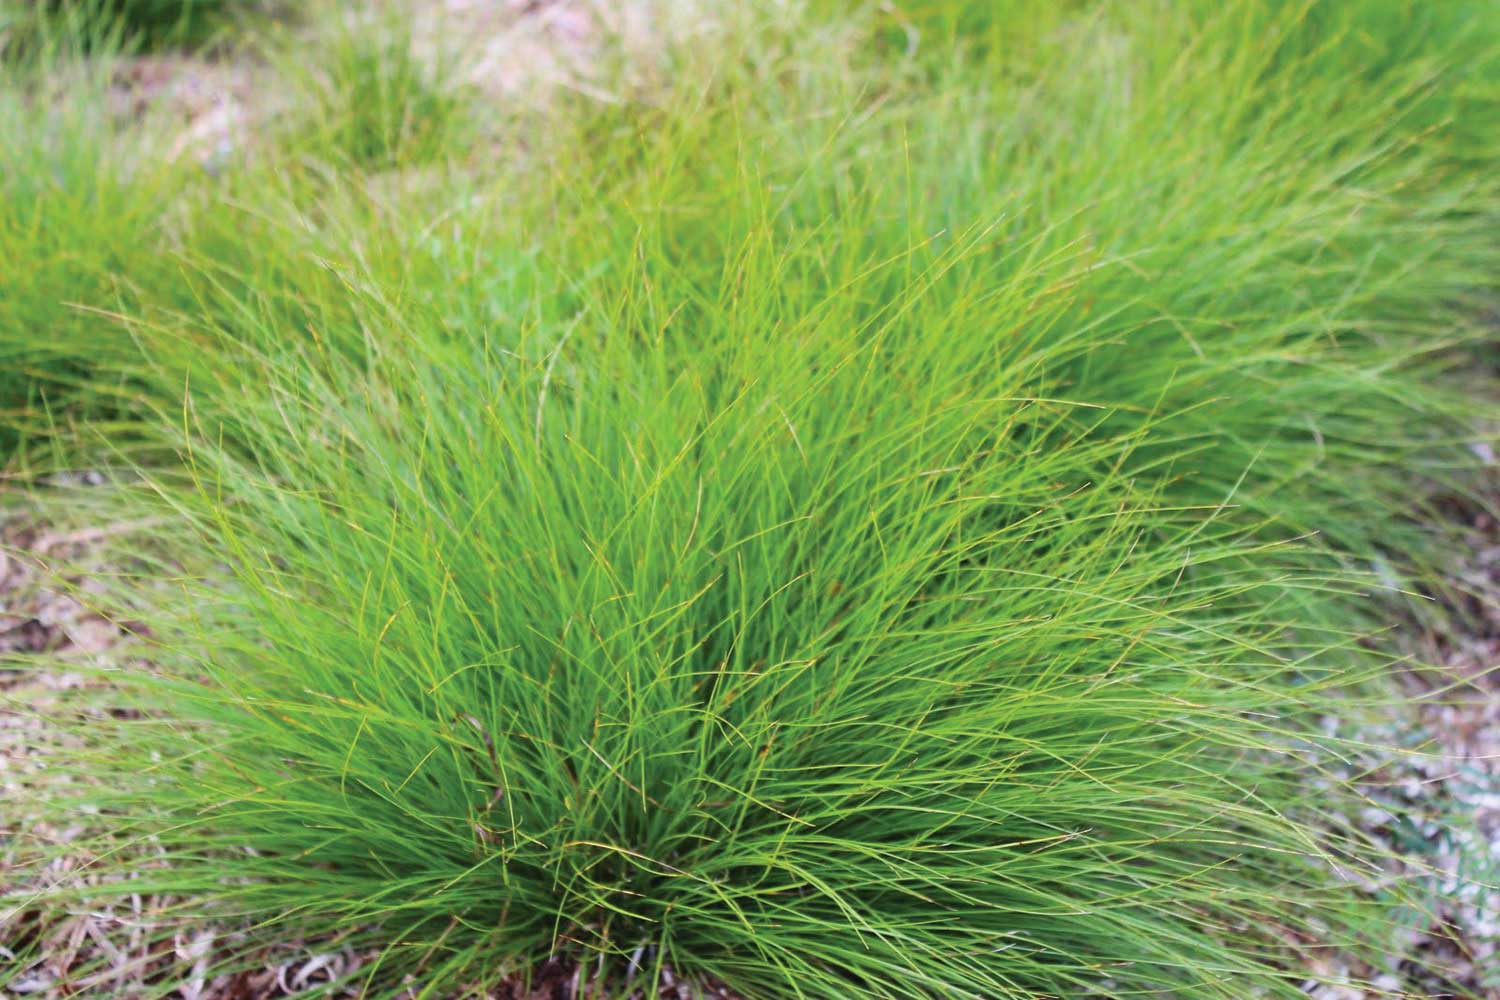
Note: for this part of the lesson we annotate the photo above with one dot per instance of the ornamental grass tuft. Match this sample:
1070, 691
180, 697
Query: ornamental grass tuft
888, 514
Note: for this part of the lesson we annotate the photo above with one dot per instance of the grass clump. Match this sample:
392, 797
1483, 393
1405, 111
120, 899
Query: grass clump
104, 25
85, 231
840, 531
373, 104
794, 680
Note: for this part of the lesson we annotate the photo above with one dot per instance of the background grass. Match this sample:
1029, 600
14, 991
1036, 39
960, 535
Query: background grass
376, 104
883, 515
85, 230
89, 26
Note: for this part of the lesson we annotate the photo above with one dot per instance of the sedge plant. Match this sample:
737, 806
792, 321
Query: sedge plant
860, 523
87, 202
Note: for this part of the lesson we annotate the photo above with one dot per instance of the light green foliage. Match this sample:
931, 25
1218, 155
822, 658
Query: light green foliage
84, 229
372, 103
882, 517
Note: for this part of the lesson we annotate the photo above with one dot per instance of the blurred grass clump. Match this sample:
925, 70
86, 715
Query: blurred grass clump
99, 26
85, 231
374, 104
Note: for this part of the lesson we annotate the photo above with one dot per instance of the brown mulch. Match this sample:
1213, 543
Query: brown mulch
1432, 779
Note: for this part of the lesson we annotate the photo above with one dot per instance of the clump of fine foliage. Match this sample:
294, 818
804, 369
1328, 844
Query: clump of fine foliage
85, 223
881, 518
100, 26
373, 104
